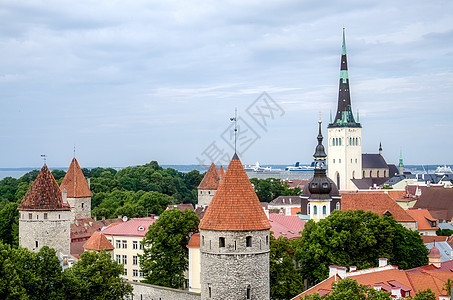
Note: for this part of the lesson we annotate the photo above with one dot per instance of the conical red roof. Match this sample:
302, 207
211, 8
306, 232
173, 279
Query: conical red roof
44, 194
235, 206
210, 180
98, 242
221, 172
74, 182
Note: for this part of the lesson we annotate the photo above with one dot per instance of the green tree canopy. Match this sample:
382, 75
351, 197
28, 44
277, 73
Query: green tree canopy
357, 238
285, 280
165, 256
9, 224
424, 295
270, 188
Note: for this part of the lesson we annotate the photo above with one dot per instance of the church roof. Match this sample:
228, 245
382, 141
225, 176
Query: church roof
235, 206
373, 161
210, 180
74, 182
98, 242
44, 194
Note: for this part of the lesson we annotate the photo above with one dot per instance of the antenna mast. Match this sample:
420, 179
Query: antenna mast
44, 156
235, 120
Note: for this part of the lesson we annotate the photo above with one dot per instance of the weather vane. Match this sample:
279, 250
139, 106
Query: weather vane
235, 120
74, 150
44, 157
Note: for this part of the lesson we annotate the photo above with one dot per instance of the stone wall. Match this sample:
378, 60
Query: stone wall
143, 291
232, 270
45, 228
80, 207
205, 197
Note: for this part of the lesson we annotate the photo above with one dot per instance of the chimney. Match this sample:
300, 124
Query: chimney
89, 182
332, 271
396, 292
64, 195
377, 287
352, 268
152, 216
382, 262
103, 218
95, 218
120, 216
341, 271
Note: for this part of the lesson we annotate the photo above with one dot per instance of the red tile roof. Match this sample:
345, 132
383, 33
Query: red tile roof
44, 194
422, 216
210, 180
235, 206
437, 199
433, 238
221, 172
181, 207
379, 203
287, 226
194, 241
74, 182
82, 229
133, 227
98, 242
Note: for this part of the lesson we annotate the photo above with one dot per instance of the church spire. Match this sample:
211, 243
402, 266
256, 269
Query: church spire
344, 116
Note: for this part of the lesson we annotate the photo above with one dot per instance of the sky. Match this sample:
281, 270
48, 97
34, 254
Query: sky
128, 82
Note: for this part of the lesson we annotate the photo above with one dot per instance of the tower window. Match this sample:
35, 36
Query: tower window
221, 242
248, 292
45, 216
36, 244
267, 240
37, 216
82, 205
30, 216
202, 240
248, 241
324, 210
210, 292
234, 245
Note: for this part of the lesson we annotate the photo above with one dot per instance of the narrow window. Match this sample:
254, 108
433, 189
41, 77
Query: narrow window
125, 259
248, 241
58, 217
315, 210
30, 216
135, 260
248, 292
363, 174
135, 273
308, 208
82, 205
37, 216
267, 240
202, 240
118, 244
338, 180
125, 272
36, 244
124, 244
45, 216
337, 206
135, 245
260, 244
209, 192
209, 244
210, 294
371, 173
118, 258
221, 242
234, 245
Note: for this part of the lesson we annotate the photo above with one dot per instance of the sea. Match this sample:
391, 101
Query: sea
277, 171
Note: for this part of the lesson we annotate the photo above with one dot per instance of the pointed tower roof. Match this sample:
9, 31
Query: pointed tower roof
221, 172
344, 116
98, 242
235, 206
74, 182
210, 180
44, 194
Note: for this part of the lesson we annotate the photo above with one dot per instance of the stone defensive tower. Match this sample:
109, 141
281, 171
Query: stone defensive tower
208, 186
320, 191
44, 216
344, 135
78, 191
234, 243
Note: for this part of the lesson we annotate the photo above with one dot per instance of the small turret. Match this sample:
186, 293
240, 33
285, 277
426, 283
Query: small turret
380, 149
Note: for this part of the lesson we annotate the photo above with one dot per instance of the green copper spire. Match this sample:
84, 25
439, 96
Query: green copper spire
401, 159
344, 72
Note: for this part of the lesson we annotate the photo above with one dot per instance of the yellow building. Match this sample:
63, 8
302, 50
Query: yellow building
126, 239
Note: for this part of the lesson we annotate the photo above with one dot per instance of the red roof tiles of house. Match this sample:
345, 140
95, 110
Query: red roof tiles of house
210, 180
133, 227
74, 182
433, 238
98, 242
44, 194
181, 207
437, 199
380, 203
194, 241
287, 226
235, 206
423, 218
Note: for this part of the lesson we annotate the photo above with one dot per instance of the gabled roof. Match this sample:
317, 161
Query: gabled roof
373, 161
235, 206
379, 203
210, 180
98, 242
437, 199
423, 218
134, 227
44, 194
74, 182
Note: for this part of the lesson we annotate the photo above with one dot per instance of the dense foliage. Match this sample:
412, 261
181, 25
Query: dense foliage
444, 232
166, 257
29, 275
268, 189
349, 289
357, 238
286, 280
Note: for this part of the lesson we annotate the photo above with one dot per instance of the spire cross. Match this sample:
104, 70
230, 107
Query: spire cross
44, 156
235, 120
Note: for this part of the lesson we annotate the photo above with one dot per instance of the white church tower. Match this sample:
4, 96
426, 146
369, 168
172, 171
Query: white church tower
344, 136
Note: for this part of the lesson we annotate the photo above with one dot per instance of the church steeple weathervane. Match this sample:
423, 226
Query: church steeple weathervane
344, 116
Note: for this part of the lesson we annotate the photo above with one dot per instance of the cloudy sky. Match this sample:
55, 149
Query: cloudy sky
128, 82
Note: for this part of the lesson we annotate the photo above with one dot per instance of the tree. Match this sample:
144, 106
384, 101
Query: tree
425, 295
285, 280
356, 238
444, 232
95, 276
447, 286
270, 188
349, 289
9, 224
165, 255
